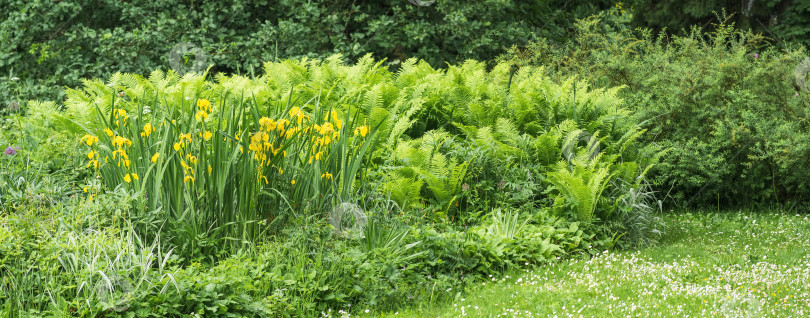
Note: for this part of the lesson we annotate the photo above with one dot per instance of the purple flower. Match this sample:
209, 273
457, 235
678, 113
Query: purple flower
756, 55
10, 151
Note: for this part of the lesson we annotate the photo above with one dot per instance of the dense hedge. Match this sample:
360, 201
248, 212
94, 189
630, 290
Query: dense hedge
53, 43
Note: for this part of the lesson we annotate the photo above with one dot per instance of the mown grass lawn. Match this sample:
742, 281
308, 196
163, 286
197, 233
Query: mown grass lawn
732, 264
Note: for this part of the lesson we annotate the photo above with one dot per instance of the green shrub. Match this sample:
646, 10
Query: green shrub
730, 111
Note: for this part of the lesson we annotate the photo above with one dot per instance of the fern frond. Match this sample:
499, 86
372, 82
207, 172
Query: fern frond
507, 132
403, 123
582, 186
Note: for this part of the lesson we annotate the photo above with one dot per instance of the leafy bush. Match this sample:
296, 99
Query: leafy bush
730, 111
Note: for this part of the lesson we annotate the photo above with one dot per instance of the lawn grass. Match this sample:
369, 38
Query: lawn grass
732, 264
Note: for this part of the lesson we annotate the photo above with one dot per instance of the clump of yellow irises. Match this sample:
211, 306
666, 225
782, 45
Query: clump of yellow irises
119, 144
265, 144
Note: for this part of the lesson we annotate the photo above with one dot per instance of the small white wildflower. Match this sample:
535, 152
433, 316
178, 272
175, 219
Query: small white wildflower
15, 78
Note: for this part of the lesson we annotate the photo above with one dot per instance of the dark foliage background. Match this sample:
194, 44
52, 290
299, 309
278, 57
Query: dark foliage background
781, 20
54, 43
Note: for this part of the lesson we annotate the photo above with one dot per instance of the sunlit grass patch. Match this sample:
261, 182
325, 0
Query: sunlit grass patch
736, 264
